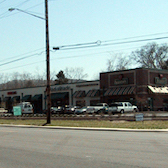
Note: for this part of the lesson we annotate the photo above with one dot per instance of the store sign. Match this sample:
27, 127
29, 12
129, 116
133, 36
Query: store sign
11, 93
60, 88
17, 111
121, 81
139, 117
160, 81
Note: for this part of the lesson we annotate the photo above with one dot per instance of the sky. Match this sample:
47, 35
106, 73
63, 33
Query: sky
108, 27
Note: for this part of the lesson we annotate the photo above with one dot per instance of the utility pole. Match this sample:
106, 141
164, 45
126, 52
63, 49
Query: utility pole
48, 89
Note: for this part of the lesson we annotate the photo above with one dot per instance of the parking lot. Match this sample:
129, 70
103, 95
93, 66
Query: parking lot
147, 116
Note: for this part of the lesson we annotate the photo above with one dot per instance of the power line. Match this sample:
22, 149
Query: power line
21, 54
5, 14
136, 41
127, 38
15, 5
100, 44
2, 1
22, 3
23, 65
19, 59
67, 57
86, 45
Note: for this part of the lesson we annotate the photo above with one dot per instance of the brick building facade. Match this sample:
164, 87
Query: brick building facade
147, 88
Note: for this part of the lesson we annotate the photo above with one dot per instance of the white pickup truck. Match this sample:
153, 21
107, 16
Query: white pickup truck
125, 107
101, 107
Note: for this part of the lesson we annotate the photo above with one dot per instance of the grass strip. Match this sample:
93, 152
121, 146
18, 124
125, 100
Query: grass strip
92, 123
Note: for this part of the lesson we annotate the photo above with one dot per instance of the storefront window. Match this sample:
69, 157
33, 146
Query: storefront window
94, 102
80, 103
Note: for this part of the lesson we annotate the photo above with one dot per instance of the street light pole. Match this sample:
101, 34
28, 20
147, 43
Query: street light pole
48, 89
12, 9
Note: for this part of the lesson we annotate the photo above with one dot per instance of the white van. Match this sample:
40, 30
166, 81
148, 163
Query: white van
26, 107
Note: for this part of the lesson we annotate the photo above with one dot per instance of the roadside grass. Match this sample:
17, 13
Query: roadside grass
91, 123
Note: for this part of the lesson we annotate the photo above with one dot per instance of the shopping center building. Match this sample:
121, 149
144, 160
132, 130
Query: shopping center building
80, 94
146, 88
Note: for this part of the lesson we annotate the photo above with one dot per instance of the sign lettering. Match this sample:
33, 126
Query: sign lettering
121, 82
161, 81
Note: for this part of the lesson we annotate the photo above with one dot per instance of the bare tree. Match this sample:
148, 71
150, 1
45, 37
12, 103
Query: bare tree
165, 65
118, 62
20, 80
15, 78
75, 73
4, 79
24, 78
151, 55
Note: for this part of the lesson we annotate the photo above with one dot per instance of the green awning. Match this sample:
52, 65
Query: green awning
15, 98
26, 98
7, 99
80, 93
93, 93
58, 95
37, 97
120, 91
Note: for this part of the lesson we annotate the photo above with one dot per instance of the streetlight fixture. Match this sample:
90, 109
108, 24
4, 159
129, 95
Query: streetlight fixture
48, 88
12, 9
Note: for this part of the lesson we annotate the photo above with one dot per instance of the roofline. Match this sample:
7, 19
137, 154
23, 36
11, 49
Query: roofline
154, 69
51, 85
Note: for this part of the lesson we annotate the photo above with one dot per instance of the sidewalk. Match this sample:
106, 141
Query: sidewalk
86, 128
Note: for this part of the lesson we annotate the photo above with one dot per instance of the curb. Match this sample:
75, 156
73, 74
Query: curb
86, 128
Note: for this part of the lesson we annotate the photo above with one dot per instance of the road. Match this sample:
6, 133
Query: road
52, 148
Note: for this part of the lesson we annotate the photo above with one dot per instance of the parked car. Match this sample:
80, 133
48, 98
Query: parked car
60, 109
54, 110
99, 107
69, 109
3, 112
123, 107
81, 110
112, 108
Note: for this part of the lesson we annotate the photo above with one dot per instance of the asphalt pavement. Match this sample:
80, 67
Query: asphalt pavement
33, 146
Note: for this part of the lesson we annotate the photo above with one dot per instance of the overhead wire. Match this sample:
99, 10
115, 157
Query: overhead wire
86, 45
13, 5
9, 62
22, 3
2, 1
3, 15
16, 56
67, 57
22, 65
127, 38
100, 44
